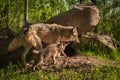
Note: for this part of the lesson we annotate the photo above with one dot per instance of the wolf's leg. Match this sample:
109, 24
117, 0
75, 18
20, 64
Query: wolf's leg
63, 53
36, 66
54, 58
48, 55
62, 48
39, 61
38, 41
64, 44
23, 57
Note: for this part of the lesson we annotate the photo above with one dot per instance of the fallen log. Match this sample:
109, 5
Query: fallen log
6, 36
104, 39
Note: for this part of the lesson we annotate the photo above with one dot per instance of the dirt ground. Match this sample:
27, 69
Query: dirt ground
77, 62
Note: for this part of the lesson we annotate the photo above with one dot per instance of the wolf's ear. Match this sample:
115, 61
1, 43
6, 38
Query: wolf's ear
75, 32
74, 29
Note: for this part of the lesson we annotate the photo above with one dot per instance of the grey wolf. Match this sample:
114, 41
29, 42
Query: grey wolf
36, 33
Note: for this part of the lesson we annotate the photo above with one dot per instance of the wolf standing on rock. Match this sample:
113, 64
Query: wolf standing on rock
36, 33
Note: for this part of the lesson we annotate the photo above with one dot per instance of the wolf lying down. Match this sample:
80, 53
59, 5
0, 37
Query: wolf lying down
35, 34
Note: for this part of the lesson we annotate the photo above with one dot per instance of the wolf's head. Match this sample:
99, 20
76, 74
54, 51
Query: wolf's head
69, 34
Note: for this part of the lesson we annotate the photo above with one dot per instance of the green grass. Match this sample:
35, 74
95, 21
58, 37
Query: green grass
103, 53
15, 72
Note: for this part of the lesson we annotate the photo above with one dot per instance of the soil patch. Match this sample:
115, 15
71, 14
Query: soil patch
76, 62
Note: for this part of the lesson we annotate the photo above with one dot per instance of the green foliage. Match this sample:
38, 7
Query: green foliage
11, 11
93, 48
109, 18
13, 72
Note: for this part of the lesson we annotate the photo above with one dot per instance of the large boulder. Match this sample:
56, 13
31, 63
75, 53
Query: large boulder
83, 16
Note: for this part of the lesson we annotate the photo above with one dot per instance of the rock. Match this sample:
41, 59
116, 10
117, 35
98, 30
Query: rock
83, 16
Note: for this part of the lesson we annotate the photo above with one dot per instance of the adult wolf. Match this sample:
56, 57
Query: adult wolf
48, 33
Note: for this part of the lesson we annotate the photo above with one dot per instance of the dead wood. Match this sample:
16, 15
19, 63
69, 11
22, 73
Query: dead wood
104, 39
6, 36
